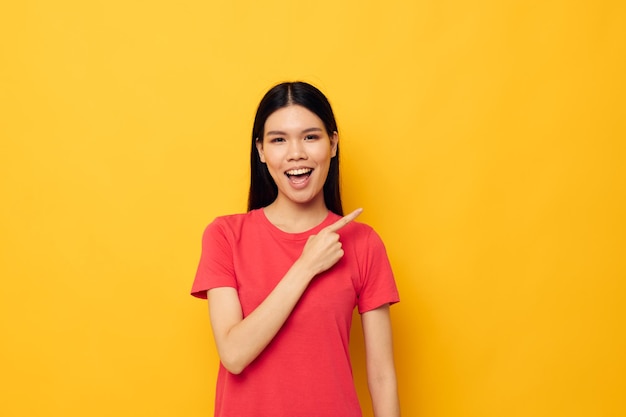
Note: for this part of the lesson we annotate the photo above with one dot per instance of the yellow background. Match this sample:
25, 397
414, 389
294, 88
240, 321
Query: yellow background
484, 139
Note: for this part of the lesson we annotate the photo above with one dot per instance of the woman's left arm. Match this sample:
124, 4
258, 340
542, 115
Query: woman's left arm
381, 372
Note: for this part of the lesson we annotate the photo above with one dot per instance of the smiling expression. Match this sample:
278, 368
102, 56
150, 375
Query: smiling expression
297, 150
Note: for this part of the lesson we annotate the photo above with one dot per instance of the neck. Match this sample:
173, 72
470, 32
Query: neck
293, 217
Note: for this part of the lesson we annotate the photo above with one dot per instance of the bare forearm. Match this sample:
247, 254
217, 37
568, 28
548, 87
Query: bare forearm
384, 393
381, 371
245, 340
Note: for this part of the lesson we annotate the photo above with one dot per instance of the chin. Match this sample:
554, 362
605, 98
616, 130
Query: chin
304, 199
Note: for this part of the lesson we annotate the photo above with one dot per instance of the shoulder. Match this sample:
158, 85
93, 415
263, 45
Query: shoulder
358, 232
232, 224
233, 219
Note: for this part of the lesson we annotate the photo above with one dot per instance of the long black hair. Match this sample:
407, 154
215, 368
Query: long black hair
263, 190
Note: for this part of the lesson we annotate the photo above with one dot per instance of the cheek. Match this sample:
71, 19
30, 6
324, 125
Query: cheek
324, 156
272, 160
273, 164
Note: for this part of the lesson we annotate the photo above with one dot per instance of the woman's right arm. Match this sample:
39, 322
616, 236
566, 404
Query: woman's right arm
240, 340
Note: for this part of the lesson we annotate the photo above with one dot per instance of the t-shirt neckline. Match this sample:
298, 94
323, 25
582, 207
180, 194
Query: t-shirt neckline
275, 231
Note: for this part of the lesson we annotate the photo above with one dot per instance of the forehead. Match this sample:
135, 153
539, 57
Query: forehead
292, 118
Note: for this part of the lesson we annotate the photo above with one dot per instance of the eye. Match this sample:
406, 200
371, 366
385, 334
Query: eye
277, 140
311, 137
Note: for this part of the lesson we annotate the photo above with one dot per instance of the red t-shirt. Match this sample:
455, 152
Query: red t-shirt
305, 371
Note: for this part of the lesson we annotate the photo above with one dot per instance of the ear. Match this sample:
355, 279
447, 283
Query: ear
259, 147
334, 141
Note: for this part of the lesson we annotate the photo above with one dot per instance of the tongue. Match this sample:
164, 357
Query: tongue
298, 179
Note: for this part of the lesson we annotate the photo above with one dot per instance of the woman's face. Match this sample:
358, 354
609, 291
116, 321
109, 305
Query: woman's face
297, 151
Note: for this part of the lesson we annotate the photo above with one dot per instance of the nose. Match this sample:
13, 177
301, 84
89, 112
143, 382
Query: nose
296, 150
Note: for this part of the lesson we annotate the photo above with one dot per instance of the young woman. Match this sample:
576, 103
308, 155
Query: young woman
283, 279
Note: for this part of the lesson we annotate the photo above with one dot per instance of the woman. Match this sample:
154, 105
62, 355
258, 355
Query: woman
283, 279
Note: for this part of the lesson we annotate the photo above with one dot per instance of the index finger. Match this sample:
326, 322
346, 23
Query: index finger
344, 220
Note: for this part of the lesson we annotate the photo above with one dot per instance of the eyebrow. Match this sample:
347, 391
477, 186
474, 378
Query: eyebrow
280, 132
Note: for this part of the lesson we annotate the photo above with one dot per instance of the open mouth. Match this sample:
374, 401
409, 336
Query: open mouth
298, 176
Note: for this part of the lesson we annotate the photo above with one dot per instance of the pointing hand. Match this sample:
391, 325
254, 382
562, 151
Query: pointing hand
323, 250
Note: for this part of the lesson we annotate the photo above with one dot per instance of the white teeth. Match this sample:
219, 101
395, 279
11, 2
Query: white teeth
298, 171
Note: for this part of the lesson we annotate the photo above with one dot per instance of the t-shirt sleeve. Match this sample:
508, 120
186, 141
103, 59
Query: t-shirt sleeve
378, 286
216, 261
